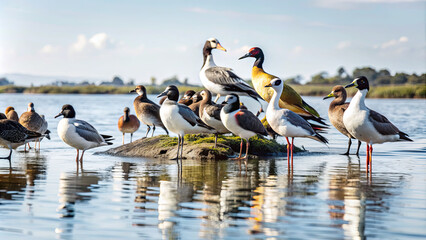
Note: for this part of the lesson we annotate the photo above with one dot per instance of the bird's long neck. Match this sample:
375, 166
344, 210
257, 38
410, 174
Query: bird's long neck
338, 101
126, 117
275, 100
359, 99
207, 56
259, 61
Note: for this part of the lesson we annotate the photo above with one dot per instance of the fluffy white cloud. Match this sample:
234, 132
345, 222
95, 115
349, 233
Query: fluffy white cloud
343, 45
98, 41
392, 43
80, 44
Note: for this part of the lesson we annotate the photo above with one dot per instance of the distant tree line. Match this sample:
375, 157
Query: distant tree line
4, 82
380, 77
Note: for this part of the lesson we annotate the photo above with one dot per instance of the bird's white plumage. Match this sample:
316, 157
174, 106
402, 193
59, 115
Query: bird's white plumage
175, 122
68, 133
357, 122
278, 118
213, 122
230, 122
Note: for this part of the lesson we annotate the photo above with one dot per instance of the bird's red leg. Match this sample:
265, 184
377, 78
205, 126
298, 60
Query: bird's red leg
371, 158
292, 147
288, 152
368, 157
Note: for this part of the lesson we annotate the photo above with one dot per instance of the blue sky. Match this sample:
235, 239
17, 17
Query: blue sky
140, 39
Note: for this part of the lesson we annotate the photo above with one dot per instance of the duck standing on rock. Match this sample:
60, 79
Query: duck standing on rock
287, 123
368, 125
180, 119
240, 122
336, 111
79, 134
210, 114
147, 111
128, 123
222, 80
289, 98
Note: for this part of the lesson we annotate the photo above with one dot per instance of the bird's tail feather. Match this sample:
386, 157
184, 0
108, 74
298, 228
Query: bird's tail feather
319, 138
403, 136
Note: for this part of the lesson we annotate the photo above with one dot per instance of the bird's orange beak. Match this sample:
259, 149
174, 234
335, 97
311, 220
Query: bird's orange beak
220, 47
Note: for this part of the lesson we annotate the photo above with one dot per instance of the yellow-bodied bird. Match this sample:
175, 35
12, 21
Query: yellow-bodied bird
289, 99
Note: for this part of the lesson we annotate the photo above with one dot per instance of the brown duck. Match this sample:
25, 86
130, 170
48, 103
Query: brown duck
335, 113
147, 111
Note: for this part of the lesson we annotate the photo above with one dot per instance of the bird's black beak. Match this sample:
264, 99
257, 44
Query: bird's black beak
60, 114
224, 102
350, 85
162, 94
269, 85
132, 91
245, 56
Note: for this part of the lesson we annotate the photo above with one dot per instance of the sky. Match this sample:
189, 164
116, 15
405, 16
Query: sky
140, 39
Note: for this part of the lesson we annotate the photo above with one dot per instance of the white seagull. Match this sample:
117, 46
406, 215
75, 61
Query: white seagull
222, 80
368, 125
240, 122
287, 123
179, 118
79, 134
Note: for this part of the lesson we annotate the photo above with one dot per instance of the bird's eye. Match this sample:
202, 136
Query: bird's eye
278, 82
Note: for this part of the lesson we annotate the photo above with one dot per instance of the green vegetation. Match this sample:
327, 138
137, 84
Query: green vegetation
258, 145
390, 91
375, 78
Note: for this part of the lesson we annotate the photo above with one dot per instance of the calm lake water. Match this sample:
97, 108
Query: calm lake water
328, 196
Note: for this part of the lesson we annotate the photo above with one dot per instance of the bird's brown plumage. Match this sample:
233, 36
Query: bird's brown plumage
11, 114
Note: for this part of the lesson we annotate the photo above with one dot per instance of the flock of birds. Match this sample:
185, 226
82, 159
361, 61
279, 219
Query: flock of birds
287, 114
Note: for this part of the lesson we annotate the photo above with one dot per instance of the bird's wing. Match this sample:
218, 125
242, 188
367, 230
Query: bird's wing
296, 120
213, 111
87, 131
382, 124
250, 122
14, 132
231, 82
188, 114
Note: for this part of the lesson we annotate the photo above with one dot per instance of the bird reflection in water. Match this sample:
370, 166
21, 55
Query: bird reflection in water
347, 201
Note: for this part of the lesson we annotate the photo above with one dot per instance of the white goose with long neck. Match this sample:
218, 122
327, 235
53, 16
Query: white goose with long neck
275, 99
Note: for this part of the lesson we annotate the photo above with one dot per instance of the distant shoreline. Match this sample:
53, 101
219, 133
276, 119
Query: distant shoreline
386, 91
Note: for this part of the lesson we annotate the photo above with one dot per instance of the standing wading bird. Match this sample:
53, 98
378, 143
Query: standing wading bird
240, 122
222, 80
179, 118
335, 113
147, 111
210, 114
13, 135
128, 123
79, 134
11, 114
289, 98
367, 125
287, 123
31, 120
